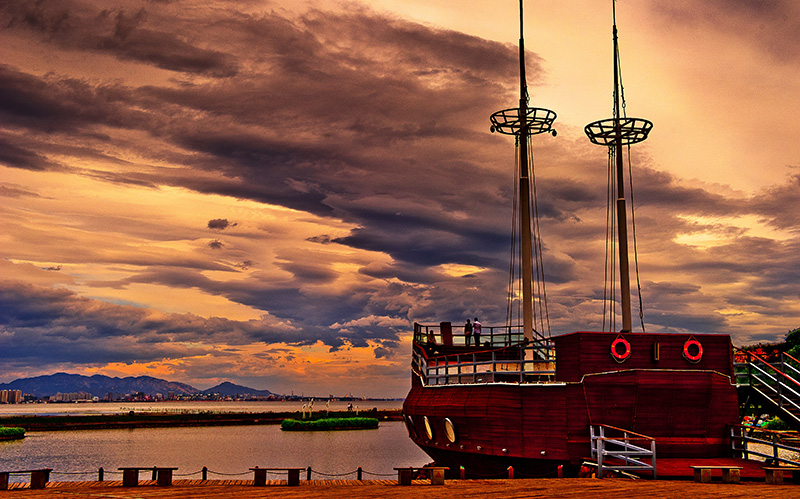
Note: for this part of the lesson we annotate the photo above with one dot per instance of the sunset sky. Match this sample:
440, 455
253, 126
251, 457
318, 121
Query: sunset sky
272, 192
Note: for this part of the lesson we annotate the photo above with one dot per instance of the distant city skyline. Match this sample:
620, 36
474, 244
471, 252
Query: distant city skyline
272, 192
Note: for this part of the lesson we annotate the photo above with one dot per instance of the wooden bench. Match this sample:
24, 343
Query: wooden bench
162, 476
730, 474
435, 473
260, 475
39, 478
774, 474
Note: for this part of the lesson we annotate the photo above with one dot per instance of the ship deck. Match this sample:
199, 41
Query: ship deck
578, 488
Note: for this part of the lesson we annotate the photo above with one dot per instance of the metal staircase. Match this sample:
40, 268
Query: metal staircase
775, 385
613, 449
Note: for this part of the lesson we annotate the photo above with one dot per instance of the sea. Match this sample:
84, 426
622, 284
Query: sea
228, 452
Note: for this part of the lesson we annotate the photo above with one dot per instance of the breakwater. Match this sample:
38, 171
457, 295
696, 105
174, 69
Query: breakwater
135, 419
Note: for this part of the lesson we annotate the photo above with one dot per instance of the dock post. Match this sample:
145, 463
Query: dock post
510, 472
205, 473
308, 473
259, 477
154, 474
358, 473
560, 471
39, 478
100, 474
462, 472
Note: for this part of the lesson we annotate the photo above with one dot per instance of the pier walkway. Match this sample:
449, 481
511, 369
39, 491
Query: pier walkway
578, 488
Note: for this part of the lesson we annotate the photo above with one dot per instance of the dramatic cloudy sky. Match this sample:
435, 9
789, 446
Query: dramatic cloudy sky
272, 192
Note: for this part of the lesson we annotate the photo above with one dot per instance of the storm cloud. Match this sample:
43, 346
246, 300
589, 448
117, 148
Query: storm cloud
254, 187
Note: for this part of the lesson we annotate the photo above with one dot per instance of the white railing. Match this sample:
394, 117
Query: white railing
442, 357
773, 383
627, 456
520, 363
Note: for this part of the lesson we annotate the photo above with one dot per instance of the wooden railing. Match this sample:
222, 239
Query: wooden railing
742, 435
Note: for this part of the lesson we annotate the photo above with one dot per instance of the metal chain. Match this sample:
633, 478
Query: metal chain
379, 474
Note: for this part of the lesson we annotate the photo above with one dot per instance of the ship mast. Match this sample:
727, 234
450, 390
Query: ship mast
523, 122
614, 133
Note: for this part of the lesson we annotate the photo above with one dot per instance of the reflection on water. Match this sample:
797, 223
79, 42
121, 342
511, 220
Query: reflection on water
223, 449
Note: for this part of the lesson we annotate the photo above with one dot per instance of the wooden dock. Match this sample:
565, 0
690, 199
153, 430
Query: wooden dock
578, 488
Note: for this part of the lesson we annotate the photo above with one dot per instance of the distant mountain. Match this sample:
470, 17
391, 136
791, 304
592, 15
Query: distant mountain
98, 385
229, 389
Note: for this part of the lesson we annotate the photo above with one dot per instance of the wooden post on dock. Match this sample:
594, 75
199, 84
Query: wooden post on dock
462, 472
205, 473
100, 473
510, 472
358, 473
308, 473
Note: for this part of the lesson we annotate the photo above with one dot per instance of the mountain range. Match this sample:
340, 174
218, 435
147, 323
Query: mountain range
100, 385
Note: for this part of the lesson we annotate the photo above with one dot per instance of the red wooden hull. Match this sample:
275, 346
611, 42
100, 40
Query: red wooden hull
537, 427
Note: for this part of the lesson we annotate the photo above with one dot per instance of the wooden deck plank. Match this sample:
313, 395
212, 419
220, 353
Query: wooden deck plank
577, 488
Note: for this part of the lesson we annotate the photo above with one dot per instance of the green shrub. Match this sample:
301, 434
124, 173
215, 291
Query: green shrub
329, 424
775, 424
12, 432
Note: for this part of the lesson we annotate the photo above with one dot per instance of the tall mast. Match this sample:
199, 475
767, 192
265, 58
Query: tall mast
523, 122
615, 133
524, 193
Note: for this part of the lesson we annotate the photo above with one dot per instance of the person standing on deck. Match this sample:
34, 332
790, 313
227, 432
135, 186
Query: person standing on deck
476, 331
468, 332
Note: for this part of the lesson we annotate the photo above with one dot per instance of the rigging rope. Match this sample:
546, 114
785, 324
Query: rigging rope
541, 311
541, 293
635, 250
512, 276
630, 182
609, 288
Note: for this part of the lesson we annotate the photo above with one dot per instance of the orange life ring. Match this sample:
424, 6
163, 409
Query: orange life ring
692, 342
623, 356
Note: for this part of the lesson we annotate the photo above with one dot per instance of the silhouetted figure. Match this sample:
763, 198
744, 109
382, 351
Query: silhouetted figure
468, 332
476, 331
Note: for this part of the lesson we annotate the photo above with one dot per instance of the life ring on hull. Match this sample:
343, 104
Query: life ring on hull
687, 350
626, 349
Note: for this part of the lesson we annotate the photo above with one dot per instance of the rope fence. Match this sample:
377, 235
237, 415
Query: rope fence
101, 473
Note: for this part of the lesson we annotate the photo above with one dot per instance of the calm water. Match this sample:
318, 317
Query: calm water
123, 407
223, 449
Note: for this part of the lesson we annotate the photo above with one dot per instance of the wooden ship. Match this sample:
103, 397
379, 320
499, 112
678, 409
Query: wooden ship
540, 403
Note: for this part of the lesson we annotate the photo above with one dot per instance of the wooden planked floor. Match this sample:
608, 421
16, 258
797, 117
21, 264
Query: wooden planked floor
577, 488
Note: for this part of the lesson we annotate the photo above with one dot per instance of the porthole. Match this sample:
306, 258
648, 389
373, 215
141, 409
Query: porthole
449, 430
428, 427
412, 432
